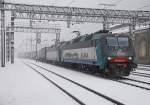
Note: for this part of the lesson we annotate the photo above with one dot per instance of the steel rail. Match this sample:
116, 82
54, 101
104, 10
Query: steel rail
69, 94
144, 69
84, 87
141, 87
142, 73
136, 80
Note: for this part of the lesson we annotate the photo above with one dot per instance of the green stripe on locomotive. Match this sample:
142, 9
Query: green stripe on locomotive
101, 60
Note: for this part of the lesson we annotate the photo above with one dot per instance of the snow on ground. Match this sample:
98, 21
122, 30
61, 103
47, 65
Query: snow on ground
145, 79
142, 65
85, 96
129, 95
142, 71
140, 78
20, 85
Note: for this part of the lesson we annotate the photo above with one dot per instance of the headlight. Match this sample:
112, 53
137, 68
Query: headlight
130, 58
109, 58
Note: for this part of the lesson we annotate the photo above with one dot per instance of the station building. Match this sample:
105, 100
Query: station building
142, 46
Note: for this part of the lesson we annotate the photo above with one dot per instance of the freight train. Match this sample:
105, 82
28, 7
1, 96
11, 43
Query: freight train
104, 52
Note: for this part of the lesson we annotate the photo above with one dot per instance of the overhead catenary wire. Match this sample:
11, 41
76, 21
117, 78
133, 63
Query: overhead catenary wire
118, 1
143, 7
72, 1
54, 2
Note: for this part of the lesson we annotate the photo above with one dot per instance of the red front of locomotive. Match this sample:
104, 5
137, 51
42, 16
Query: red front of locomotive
120, 55
120, 65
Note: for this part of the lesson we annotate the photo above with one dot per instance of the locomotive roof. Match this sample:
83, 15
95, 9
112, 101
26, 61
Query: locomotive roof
90, 37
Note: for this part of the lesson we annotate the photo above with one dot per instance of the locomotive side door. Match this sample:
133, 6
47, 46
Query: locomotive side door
100, 57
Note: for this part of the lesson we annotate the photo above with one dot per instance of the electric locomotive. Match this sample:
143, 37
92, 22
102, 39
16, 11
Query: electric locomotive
119, 54
108, 53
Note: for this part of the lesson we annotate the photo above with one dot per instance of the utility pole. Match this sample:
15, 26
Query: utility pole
148, 42
2, 34
57, 38
38, 40
7, 45
132, 27
12, 37
69, 21
31, 47
105, 24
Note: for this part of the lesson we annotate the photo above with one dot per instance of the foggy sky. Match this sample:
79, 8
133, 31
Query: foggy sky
66, 33
120, 4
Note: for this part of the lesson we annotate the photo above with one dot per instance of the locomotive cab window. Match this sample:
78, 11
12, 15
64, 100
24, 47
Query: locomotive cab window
123, 41
118, 41
112, 41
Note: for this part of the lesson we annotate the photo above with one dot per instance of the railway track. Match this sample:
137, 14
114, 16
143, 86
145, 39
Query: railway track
138, 81
131, 84
144, 69
141, 74
80, 85
124, 82
70, 95
144, 65
147, 83
141, 87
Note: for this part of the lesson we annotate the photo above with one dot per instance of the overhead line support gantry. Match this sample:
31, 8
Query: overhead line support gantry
69, 14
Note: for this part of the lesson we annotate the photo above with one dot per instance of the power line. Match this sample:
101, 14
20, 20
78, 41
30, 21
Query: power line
70, 3
117, 1
103, 4
54, 2
144, 6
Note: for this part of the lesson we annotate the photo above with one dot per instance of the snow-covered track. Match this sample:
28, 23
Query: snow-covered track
141, 74
70, 95
82, 86
144, 69
143, 65
123, 82
135, 80
132, 84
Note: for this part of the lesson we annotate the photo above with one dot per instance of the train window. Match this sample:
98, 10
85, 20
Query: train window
123, 41
112, 41
118, 41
